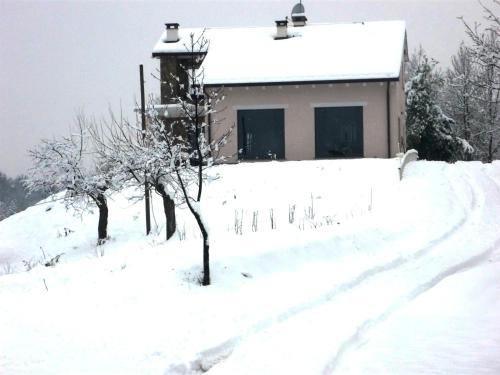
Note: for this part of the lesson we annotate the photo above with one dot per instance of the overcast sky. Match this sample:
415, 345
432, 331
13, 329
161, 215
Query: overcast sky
59, 57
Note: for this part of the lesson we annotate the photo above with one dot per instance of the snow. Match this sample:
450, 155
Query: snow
350, 51
458, 337
407, 157
374, 275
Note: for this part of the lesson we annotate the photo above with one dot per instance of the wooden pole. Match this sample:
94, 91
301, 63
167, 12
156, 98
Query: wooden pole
388, 103
143, 119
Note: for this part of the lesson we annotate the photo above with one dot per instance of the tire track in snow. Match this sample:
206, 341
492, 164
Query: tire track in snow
209, 358
402, 301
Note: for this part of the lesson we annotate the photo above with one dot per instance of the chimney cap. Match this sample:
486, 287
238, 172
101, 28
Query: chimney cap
172, 33
281, 29
299, 15
298, 9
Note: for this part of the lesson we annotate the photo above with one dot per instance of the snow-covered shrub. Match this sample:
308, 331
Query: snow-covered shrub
53, 261
272, 219
7, 269
291, 214
238, 222
255, 221
31, 263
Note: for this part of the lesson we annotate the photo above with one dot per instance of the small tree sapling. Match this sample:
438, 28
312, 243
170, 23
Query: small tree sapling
194, 152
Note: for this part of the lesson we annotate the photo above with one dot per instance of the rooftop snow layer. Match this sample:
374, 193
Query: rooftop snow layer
324, 52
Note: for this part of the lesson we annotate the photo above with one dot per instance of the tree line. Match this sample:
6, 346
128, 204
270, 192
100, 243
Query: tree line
14, 196
454, 114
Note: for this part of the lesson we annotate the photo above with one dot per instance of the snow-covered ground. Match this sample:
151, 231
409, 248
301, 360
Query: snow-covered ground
361, 273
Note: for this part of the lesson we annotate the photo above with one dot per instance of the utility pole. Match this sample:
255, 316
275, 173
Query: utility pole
143, 118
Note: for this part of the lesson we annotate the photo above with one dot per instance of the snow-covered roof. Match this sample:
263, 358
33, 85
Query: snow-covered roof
315, 52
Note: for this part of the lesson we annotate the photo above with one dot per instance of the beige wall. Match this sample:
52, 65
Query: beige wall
299, 103
398, 115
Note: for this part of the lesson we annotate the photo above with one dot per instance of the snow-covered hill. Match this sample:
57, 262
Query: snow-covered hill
360, 273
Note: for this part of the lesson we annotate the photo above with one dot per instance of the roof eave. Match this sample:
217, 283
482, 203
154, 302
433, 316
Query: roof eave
306, 82
176, 54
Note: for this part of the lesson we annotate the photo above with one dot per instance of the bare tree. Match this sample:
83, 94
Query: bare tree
140, 157
66, 165
489, 97
460, 98
485, 40
196, 152
485, 50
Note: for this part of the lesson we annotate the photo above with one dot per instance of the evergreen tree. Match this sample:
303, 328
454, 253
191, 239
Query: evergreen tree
429, 130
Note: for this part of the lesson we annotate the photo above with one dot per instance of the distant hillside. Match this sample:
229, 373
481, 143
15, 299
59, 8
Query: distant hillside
14, 197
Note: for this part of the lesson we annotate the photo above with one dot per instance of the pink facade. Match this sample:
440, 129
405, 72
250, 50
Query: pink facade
299, 102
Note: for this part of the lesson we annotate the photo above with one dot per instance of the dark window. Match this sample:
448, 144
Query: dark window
261, 134
339, 132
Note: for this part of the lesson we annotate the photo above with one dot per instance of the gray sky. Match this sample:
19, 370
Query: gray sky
59, 57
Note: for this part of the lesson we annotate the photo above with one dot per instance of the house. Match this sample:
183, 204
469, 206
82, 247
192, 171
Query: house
300, 91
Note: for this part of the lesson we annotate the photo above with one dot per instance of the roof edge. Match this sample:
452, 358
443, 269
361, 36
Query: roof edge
167, 54
291, 83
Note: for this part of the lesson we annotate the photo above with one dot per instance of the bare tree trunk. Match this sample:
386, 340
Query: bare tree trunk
169, 210
102, 228
467, 132
491, 110
206, 246
206, 243
206, 257
201, 225
490, 149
